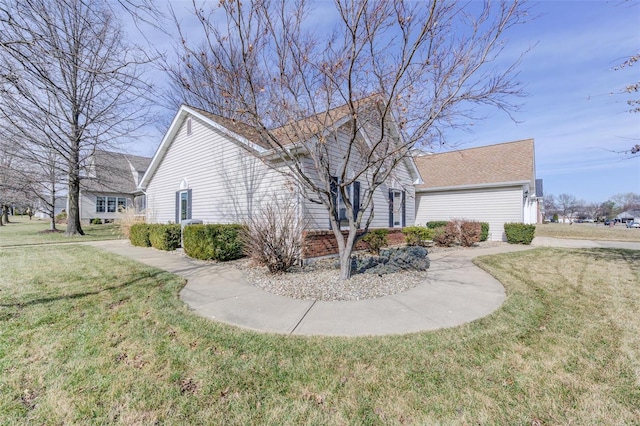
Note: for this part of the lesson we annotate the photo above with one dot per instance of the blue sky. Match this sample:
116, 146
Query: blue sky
578, 125
576, 122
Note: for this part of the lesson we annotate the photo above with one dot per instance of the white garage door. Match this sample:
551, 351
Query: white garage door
496, 206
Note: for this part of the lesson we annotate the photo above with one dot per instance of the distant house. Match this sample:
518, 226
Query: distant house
629, 216
110, 183
218, 170
495, 184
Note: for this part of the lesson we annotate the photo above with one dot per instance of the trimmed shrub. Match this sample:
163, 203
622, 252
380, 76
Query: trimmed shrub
376, 239
519, 233
96, 221
417, 235
484, 231
139, 235
213, 242
437, 224
164, 237
470, 233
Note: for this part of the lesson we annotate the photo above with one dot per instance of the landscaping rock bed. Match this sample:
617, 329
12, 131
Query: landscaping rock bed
320, 279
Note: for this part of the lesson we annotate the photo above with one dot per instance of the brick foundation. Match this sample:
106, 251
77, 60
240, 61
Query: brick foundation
323, 243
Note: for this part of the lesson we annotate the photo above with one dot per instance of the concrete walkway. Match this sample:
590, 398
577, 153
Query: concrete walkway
455, 292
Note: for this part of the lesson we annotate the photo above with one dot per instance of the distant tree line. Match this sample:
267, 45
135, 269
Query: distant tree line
569, 207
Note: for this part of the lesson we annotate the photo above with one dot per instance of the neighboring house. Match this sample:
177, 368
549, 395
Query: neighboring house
629, 216
495, 184
109, 183
217, 170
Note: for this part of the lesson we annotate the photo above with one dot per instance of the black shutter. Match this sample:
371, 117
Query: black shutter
404, 210
189, 204
390, 209
333, 189
356, 199
177, 206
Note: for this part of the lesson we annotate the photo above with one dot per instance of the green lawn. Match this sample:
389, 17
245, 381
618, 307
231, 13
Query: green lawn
588, 231
88, 337
23, 231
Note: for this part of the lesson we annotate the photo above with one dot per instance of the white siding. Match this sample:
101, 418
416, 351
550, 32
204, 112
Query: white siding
226, 181
88, 205
318, 216
496, 206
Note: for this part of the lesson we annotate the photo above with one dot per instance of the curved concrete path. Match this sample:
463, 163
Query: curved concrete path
455, 292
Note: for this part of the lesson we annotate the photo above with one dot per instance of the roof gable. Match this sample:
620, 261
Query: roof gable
249, 137
503, 163
113, 172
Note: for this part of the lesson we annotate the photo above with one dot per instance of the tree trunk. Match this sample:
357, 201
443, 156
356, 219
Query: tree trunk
52, 212
73, 211
5, 213
345, 248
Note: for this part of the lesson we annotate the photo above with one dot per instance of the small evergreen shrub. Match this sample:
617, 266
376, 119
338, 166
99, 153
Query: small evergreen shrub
555, 217
376, 239
96, 221
392, 260
470, 233
213, 242
519, 233
437, 224
417, 235
139, 235
484, 232
164, 237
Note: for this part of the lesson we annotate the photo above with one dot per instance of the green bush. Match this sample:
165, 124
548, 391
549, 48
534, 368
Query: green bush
376, 239
213, 242
437, 224
484, 231
519, 233
139, 235
96, 221
417, 235
164, 237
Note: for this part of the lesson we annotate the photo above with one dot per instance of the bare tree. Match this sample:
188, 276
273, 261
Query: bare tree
550, 206
398, 72
566, 204
626, 201
69, 83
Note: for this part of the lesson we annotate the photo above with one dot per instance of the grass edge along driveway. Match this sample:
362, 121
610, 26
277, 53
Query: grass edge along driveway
90, 337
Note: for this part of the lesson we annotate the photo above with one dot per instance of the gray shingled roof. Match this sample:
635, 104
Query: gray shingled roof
114, 172
493, 164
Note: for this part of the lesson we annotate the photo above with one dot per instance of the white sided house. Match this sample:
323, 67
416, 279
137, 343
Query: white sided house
218, 170
495, 184
109, 184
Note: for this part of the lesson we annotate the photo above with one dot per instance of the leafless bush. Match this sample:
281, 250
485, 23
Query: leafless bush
127, 217
458, 231
469, 233
273, 236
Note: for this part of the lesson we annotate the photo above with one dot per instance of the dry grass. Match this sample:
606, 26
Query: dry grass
90, 338
22, 231
588, 231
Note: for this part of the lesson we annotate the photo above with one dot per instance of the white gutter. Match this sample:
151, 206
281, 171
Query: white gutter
473, 186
